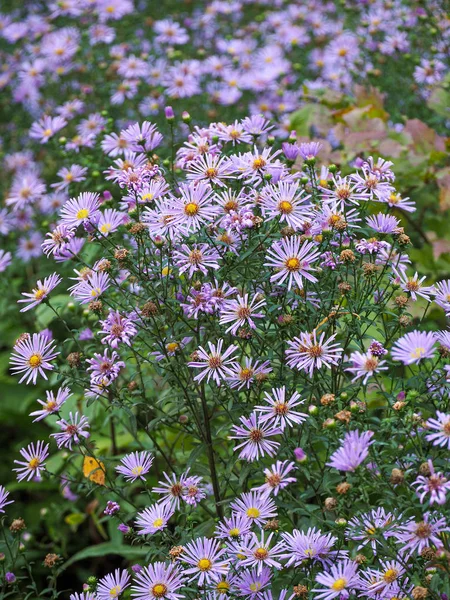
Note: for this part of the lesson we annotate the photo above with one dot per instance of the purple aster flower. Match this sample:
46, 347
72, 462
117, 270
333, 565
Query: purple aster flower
92, 288
245, 375
291, 151
249, 583
118, 329
413, 285
202, 557
84, 208
258, 553
172, 489
338, 582
72, 430
34, 463
364, 365
111, 508
110, 220
383, 223
353, 451
82, 596
311, 546
156, 581
52, 404
277, 477
40, 293
435, 484
74, 173
417, 535
257, 507
372, 528
10, 577
300, 455
377, 349
309, 150
5, 260
192, 492
292, 260
236, 526
414, 347
441, 427
58, 240
308, 353
255, 435
200, 257
105, 369
153, 518
135, 465
241, 311
442, 295
215, 364
286, 202
32, 357
44, 129
4, 499
112, 585
142, 137
279, 411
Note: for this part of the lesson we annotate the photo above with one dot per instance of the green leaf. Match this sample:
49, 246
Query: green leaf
104, 550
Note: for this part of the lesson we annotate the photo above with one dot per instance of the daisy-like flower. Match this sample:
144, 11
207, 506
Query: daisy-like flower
58, 240
394, 200
200, 257
338, 582
308, 353
258, 553
309, 150
91, 288
256, 438
365, 365
203, 559
40, 293
46, 128
118, 329
5, 260
368, 182
417, 535
192, 492
135, 465
215, 364
277, 477
259, 508
353, 452
104, 368
142, 137
372, 528
72, 430
383, 223
311, 546
153, 518
110, 220
249, 583
74, 173
34, 462
442, 295
381, 168
210, 168
435, 484
252, 166
82, 596
192, 209
172, 489
285, 201
383, 581
292, 260
4, 499
112, 585
84, 208
413, 285
245, 375
158, 581
441, 427
343, 192
52, 404
279, 411
241, 311
234, 527
414, 347
32, 357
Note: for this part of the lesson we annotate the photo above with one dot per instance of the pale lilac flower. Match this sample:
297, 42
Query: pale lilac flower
308, 353
245, 375
279, 410
435, 484
292, 260
236, 526
414, 347
157, 581
192, 209
5, 260
259, 508
249, 583
215, 364
142, 137
365, 365
441, 426
252, 166
258, 553
32, 357
203, 557
276, 477
342, 192
255, 438
394, 200
118, 329
311, 546
381, 168
40, 293
4, 499
172, 489
382, 582
353, 451
200, 257
383, 223
44, 129
153, 518
286, 202
339, 581
110, 220
52, 404
135, 465
192, 493
58, 240
413, 285
84, 208
212, 169
368, 182
72, 430
34, 463
92, 288
112, 585
442, 295
417, 535
240, 312
104, 368
75, 173
372, 528
309, 150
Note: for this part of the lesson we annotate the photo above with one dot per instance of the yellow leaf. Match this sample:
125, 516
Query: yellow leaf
94, 470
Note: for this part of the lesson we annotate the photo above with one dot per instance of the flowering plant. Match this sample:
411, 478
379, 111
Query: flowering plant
244, 378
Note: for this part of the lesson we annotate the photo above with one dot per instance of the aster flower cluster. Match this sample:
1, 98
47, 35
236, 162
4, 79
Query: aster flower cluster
240, 377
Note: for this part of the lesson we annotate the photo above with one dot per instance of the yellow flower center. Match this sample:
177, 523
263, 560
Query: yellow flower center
339, 584
390, 575
83, 213
39, 294
158, 522
115, 591
259, 163
51, 405
261, 554
235, 532
293, 264
106, 228
418, 353
204, 564
211, 173
191, 209
285, 207
147, 197
35, 361
253, 513
159, 590
222, 587
47, 132
172, 346
137, 470
34, 463
96, 292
